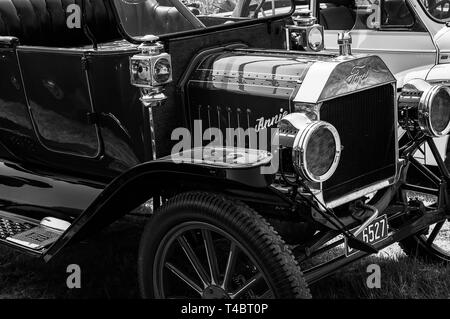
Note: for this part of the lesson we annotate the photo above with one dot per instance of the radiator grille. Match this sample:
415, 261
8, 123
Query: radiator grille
366, 124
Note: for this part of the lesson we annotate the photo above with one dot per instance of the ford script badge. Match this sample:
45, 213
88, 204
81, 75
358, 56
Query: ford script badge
358, 74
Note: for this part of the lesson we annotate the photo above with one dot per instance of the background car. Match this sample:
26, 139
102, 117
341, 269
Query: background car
411, 36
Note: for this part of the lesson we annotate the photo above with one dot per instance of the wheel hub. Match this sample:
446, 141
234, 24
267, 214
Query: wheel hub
214, 292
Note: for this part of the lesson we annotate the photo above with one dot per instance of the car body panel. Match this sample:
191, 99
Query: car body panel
16, 125
37, 194
395, 47
442, 39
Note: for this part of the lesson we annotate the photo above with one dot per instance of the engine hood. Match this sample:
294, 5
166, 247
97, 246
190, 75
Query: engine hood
256, 88
292, 76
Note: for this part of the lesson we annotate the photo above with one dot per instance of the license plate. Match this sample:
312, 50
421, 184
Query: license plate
374, 233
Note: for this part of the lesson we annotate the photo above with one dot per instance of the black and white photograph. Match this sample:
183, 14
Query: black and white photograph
225, 149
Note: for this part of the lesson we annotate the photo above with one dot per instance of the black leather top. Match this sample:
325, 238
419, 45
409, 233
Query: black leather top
44, 22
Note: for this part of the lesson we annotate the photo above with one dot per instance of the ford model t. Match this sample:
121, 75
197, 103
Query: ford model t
257, 153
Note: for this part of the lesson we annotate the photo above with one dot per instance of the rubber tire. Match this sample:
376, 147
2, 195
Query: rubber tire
270, 252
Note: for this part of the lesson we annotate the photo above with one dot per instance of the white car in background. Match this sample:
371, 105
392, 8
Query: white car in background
411, 36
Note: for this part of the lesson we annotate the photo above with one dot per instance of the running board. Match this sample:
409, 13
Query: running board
30, 235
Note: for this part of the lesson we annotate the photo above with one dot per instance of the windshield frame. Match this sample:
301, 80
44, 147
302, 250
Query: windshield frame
199, 31
429, 15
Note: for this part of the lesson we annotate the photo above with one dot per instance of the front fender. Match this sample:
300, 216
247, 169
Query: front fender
405, 76
142, 182
440, 73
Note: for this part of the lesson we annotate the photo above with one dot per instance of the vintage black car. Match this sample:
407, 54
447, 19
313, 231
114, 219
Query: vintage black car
109, 104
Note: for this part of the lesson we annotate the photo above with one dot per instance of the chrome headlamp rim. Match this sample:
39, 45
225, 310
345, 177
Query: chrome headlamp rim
425, 108
299, 151
162, 60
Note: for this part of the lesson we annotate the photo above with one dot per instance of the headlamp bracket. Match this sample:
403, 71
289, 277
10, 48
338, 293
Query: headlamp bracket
150, 71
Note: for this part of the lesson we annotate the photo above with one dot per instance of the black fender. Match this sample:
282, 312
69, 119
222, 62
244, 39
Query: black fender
154, 178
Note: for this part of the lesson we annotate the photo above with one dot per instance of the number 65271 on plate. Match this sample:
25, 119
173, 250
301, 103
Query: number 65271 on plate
374, 233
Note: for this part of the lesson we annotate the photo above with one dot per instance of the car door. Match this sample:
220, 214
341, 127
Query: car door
390, 29
59, 100
16, 129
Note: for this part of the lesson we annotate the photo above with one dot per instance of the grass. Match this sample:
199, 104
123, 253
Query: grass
108, 270
401, 277
107, 262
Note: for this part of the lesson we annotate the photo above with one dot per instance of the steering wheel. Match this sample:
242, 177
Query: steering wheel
399, 15
441, 3
188, 14
259, 8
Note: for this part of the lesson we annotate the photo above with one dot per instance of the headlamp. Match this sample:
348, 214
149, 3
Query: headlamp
150, 70
426, 107
316, 146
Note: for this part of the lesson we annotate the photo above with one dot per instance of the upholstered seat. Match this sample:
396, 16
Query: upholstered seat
152, 17
44, 22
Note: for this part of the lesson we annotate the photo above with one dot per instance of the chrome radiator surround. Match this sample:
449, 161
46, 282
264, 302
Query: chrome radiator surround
318, 188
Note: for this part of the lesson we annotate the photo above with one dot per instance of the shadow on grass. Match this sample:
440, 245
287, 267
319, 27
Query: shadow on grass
107, 262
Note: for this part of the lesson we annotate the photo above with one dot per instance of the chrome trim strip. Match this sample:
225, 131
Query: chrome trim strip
378, 51
398, 161
226, 84
360, 193
151, 122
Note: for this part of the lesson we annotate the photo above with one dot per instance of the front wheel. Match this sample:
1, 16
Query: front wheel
201, 245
